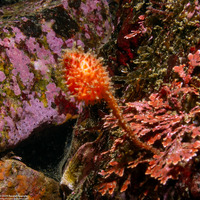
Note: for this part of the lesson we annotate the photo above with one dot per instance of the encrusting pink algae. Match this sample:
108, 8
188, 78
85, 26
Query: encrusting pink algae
28, 59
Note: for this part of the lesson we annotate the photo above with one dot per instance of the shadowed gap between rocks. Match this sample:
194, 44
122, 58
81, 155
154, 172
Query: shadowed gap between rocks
45, 150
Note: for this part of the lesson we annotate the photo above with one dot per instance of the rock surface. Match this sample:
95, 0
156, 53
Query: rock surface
33, 34
17, 181
33, 95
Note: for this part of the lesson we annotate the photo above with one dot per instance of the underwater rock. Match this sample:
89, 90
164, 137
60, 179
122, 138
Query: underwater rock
19, 181
33, 34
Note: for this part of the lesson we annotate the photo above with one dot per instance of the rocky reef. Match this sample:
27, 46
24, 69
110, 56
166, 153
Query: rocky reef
33, 95
64, 148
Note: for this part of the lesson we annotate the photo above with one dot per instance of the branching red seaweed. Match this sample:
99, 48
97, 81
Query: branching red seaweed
166, 120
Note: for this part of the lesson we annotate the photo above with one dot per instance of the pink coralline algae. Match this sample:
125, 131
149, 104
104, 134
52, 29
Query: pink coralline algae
55, 43
99, 26
42, 53
90, 6
19, 62
30, 80
18, 35
52, 92
2, 76
35, 114
15, 87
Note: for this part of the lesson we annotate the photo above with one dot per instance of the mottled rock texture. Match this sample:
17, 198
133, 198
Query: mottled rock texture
32, 36
17, 181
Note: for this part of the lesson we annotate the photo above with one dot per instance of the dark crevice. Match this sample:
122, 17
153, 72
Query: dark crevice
8, 2
44, 150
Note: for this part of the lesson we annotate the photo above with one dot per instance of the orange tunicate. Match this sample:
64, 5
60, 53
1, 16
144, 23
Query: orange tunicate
87, 80
86, 77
